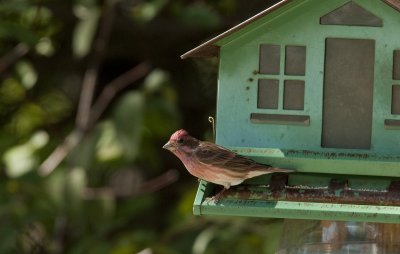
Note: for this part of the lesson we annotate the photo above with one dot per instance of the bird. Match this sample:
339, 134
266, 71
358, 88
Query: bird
214, 163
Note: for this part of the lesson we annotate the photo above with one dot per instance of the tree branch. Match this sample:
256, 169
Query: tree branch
102, 102
152, 185
59, 154
11, 57
91, 74
116, 86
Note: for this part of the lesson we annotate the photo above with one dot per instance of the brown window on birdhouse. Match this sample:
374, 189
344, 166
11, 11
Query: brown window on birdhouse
348, 93
268, 93
293, 98
270, 59
295, 60
396, 100
277, 91
396, 65
351, 14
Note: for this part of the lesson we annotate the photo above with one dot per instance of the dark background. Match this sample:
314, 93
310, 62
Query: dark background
88, 175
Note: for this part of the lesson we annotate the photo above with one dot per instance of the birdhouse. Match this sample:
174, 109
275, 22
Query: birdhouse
311, 85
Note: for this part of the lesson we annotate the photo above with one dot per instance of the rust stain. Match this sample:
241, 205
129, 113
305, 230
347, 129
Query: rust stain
336, 192
328, 155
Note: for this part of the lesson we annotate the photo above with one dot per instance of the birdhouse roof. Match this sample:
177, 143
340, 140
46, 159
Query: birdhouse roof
211, 48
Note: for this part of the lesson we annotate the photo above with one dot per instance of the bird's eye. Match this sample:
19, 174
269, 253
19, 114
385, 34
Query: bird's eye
180, 141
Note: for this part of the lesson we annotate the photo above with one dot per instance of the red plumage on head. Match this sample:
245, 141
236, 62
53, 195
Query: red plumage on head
179, 134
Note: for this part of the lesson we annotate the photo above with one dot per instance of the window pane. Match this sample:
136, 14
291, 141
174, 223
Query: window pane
268, 93
396, 100
348, 93
269, 59
396, 65
295, 62
293, 98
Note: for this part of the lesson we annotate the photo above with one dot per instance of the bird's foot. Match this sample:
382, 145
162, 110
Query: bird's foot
218, 196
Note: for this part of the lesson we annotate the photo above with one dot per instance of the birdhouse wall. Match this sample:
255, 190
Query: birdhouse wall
289, 82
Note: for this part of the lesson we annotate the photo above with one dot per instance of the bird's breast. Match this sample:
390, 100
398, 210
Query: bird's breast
214, 174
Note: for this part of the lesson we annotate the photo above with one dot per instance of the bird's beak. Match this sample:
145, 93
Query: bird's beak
168, 146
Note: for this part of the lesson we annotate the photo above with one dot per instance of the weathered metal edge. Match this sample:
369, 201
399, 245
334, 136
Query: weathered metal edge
327, 153
393, 3
202, 191
209, 49
302, 210
234, 205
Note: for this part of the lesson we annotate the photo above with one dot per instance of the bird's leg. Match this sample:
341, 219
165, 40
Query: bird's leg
218, 196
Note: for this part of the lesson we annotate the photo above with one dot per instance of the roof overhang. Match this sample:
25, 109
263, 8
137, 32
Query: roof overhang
393, 3
211, 49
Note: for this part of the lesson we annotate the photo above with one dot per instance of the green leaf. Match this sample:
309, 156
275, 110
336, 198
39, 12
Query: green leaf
56, 105
85, 153
27, 73
76, 181
128, 118
7, 7
29, 117
21, 159
11, 91
155, 80
10, 30
45, 47
38, 16
55, 187
148, 10
85, 29
200, 16
203, 239
108, 147
161, 112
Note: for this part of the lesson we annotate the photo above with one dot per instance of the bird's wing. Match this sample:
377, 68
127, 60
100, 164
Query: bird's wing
214, 155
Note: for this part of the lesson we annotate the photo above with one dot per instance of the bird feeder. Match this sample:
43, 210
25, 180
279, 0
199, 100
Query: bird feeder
311, 85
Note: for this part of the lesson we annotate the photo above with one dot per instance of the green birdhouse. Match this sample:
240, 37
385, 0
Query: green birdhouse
311, 85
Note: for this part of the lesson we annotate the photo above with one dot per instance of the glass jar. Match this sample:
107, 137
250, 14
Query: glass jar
337, 237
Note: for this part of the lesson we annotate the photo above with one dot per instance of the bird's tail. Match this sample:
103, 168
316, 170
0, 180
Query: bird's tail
268, 170
282, 170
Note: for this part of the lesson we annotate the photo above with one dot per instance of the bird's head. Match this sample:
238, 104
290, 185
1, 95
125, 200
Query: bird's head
181, 141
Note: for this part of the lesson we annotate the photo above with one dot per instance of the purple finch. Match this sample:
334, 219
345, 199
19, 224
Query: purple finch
215, 163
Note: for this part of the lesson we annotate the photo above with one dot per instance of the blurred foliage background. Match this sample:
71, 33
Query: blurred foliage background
89, 92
